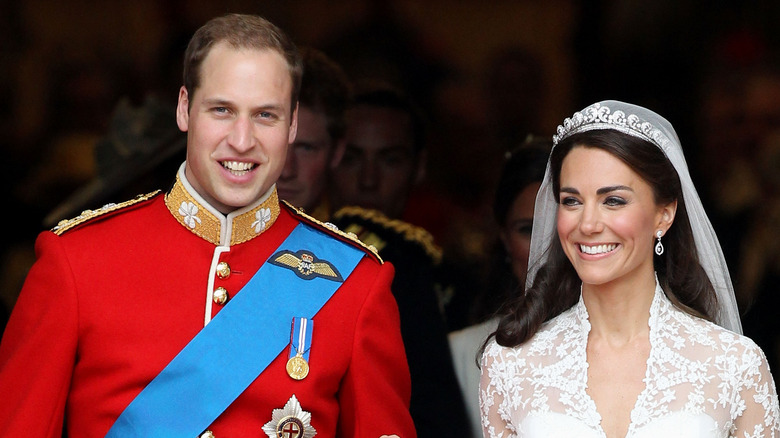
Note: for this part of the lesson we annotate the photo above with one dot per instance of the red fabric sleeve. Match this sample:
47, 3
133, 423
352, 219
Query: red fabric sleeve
375, 393
38, 350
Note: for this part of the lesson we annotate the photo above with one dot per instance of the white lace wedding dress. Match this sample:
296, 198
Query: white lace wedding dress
701, 381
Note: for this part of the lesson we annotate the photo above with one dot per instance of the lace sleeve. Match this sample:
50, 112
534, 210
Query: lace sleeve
494, 397
755, 410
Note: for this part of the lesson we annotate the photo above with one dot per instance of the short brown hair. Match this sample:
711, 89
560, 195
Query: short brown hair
241, 31
325, 88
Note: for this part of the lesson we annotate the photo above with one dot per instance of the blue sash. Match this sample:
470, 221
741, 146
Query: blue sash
243, 338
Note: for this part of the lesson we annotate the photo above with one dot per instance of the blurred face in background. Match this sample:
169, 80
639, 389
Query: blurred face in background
314, 152
516, 234
380, 166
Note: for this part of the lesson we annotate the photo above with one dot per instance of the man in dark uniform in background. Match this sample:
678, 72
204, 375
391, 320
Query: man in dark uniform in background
436, 405
385, 158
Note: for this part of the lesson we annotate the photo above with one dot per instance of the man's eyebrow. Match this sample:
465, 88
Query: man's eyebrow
217, 101
224, 102
270, 106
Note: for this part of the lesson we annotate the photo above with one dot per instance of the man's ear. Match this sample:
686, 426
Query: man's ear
337, 153
293, 126
183, 110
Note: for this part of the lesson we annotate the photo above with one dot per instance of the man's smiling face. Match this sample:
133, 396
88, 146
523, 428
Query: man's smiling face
239, 123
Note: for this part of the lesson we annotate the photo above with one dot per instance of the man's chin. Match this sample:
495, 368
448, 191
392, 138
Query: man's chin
235, 198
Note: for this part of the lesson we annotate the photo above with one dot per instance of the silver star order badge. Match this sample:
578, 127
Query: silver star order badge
290, 422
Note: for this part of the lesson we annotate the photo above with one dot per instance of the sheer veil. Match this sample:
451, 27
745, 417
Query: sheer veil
643, 123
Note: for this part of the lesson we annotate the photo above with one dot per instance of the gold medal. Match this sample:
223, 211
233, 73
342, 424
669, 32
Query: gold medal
300, 343
297, 367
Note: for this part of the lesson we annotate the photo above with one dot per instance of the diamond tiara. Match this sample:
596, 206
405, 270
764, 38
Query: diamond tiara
598, 116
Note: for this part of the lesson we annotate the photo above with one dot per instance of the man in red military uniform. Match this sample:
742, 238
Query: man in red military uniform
212, 310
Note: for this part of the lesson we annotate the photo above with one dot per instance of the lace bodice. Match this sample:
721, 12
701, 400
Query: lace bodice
701, 381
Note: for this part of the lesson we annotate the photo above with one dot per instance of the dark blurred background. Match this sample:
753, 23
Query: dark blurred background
88, 90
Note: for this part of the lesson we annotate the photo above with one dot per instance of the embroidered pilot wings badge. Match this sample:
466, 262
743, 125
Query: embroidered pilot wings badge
305, 265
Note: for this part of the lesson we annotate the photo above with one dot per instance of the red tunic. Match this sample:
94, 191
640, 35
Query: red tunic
110, 302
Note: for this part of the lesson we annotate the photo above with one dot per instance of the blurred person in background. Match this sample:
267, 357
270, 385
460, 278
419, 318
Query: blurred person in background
319, 144
384, 160
513, 211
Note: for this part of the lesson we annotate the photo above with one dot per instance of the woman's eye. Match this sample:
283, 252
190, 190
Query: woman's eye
569, 201
615, 201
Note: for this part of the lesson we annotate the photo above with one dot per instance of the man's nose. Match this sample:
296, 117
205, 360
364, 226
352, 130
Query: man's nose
241, 137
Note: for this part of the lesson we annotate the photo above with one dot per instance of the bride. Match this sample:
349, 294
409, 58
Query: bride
628, 326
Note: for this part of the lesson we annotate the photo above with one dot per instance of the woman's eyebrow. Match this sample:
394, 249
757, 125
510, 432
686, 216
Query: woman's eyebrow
609, 189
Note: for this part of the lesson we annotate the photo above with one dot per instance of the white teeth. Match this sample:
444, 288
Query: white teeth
598, 249
237, 167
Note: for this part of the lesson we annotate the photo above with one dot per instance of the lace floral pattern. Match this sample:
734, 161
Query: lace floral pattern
701, 381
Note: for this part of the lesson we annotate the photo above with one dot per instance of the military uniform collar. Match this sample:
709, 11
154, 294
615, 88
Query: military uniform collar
241, 225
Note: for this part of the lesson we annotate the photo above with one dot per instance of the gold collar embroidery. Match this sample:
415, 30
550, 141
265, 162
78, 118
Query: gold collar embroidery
241, 225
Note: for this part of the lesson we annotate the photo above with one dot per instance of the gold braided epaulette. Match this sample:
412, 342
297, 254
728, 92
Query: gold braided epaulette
405, 229
334, 229
87, 215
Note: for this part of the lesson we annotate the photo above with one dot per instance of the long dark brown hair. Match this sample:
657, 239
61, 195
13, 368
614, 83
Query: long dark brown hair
556, 286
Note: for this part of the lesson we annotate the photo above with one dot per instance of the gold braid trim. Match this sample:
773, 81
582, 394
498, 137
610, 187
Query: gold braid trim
408, 231
87, 215
194, 216
201, 222
334, 229
245, 226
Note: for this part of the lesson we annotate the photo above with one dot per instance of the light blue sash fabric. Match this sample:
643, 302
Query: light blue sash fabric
224, 358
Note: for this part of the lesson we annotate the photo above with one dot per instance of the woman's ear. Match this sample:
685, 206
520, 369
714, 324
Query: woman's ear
667, 214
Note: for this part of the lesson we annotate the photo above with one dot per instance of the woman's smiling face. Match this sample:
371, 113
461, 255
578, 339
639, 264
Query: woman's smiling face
607, 218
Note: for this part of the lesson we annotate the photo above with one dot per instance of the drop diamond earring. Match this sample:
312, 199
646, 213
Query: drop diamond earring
659, 247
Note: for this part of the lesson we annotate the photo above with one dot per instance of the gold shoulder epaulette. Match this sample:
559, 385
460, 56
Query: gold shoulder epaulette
87, 215
334, 229
408, 231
